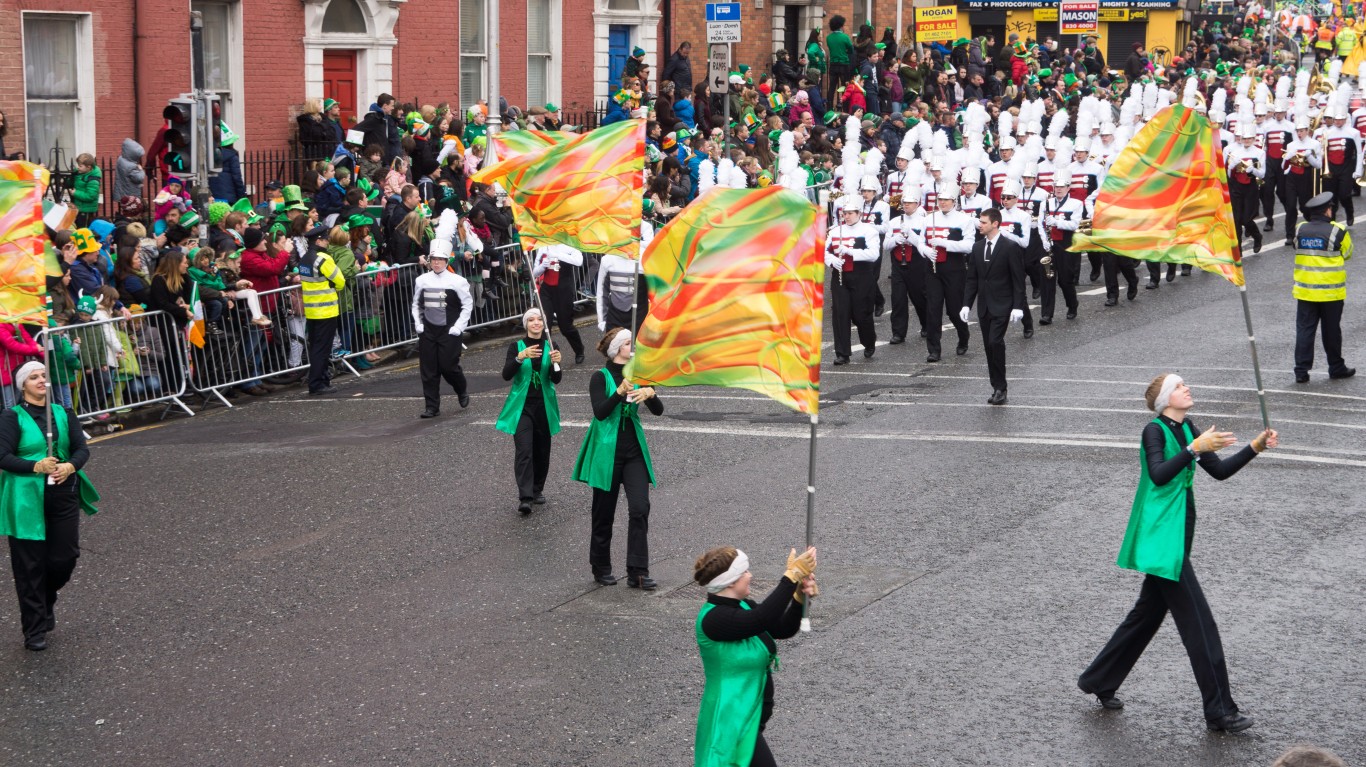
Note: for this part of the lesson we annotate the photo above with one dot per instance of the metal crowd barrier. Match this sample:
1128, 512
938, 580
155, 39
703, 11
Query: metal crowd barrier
114, 365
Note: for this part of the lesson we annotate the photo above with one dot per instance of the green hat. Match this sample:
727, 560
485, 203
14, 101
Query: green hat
225, 135
217, 212
293, 197
190, 220
647, 206
328, 104
960, 41
87, 305
366, 185
830, 117
773, 137
684, 133
1045, 73
357, 220
637, 52
652, 153
880, 46
243, 206
551, 108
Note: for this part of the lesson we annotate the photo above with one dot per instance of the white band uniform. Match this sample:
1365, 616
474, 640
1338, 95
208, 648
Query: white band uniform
737, 568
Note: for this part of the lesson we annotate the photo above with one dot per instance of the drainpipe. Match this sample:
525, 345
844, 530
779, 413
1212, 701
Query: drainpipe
137, 93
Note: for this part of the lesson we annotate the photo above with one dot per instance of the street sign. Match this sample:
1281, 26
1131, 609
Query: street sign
723, 31
1078, 17
936, 24
723, 12
718, 68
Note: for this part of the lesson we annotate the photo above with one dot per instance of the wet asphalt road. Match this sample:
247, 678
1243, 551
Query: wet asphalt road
319, 582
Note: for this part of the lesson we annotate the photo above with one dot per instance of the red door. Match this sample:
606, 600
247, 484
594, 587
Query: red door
339, 82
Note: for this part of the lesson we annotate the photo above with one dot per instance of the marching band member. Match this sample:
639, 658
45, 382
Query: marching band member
557, 289
852, 250
1343, 160
970, 202
620, 283
1050, 163
1276, 133
896, 180
904, 241
998, 171
531, 413
1017, 225
1246, 166
1061, 216
1301, 159
876, 213
441, 311
1032, 198
949, 235
1086, 179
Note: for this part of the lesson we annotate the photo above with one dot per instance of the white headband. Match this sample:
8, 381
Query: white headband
25, 371
618, 341
737, 568
1164, 396
526, 317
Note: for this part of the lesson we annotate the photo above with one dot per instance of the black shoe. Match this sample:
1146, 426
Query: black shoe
1045, 320
463, 399
1111, 703
868, 352
932, 358
605, 579
1301, 378
1171, 276
1234, 722
1029, 333
1348, 373
879, 309
1035, 294
962, 349
524, 507
1290, 242
539, 500
1072, 314
642, 582
898, 340
1268, 226
923, 333
998, 397
325, 390
429, 413
840, 359
1133, 291
1095, 275
1257, 245
1112, 302
36, 644
1152, 285
578, 358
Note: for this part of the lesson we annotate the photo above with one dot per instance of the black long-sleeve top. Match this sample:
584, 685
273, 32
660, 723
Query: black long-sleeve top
603, 405
78, 453
511, 366
1161, 471
777, 617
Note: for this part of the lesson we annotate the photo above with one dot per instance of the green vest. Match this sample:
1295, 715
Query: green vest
732, 700
598, 454
21, 495
1155, 542
512, 408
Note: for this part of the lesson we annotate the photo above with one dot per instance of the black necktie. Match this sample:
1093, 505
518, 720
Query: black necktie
988, 256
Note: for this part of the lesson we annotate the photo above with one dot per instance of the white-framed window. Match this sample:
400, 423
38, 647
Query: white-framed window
543, 52
223, 71
473, 52
59, 88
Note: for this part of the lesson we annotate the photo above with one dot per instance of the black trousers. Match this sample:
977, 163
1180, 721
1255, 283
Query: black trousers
1034, 272
944, 293
320, 334
41, 568
438, 356
994, 342
839, 75
1097, 260
1309, 317
1342, 184
1116, 265
1298, 190
853, 302
1245, 198
1194, 621
631, 473
762, 756
1066, 267
879, 300
558, 301
532, 444
1273, 188
908, 282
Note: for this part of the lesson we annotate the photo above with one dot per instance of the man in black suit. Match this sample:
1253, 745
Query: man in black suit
996, 270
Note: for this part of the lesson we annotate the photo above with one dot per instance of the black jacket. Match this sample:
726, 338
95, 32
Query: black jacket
382, 129
678, 69
498, 219
1000, 281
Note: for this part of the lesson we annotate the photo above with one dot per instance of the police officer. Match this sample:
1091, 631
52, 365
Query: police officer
321, 279
1322, 247
441, 312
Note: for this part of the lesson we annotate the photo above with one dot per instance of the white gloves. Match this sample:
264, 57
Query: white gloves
832, 261
455, 332
1016, 315
963, 314
939, 242
419, 330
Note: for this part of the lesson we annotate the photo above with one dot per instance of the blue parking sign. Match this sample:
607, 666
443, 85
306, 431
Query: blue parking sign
723, 11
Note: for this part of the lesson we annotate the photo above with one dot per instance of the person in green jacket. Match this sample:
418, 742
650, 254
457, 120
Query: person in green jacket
815, 56
531, 413
41, 515
1158, 543
735, 636
339, 248
614, 454
841, 57
85, 189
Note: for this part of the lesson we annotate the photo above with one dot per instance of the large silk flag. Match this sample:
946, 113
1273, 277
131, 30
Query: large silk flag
736, 297
1166, 199
510, 144
585, 193
23, 285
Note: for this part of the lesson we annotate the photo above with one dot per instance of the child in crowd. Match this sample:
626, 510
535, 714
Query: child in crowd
397, 177
372, 163
99, 350
172, 197
63, 363
16, 348
85, 189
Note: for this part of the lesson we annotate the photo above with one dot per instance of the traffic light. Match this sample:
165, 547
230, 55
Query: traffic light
182, 136
212, 109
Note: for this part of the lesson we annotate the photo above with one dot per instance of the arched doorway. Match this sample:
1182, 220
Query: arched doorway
348, 52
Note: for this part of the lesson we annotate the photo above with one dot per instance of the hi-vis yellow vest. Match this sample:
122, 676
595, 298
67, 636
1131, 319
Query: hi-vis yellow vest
321, 279
1321, 252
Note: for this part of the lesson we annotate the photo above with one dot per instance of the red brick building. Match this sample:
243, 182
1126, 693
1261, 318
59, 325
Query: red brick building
89, 73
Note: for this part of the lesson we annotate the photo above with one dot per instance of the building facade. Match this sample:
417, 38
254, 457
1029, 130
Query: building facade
89, 73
